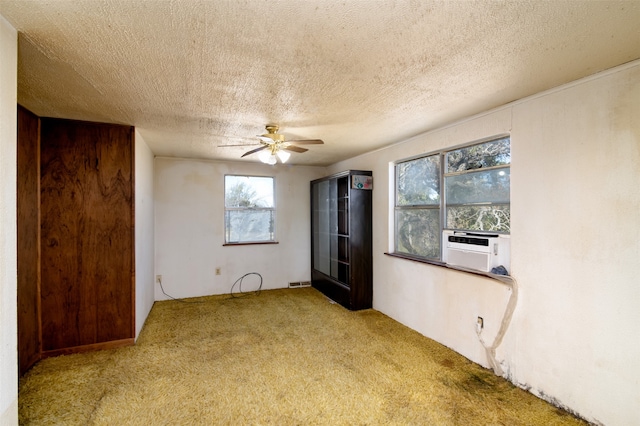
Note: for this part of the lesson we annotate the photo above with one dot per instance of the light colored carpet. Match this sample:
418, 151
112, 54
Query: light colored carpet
283, 357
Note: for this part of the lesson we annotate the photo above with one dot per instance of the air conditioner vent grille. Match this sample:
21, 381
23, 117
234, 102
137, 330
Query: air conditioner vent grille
469, 240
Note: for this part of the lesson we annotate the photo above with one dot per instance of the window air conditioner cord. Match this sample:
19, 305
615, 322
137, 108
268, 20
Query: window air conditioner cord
506, 319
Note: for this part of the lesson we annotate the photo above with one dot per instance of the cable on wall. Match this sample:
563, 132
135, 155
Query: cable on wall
239, 284
174, 298
238, 294
506, 320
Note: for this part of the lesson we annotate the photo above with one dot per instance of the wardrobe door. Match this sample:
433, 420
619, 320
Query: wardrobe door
87, 263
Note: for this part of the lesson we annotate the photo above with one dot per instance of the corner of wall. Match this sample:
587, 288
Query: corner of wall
8, 243
144, 231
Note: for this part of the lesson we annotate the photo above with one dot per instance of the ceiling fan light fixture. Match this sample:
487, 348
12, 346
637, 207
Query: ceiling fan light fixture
283, 155
267, 157
274, 145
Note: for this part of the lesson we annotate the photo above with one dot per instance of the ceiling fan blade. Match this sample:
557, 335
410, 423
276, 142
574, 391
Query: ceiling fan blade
307, 142
295, 148
254, 150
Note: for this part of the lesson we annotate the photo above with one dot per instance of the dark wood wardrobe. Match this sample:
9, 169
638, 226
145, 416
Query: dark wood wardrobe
75, 236
341, 234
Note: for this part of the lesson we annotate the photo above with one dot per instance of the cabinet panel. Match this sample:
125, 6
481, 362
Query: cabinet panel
86, 233
321, 249
108, 235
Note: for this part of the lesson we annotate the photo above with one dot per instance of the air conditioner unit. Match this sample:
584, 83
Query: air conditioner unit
482, 252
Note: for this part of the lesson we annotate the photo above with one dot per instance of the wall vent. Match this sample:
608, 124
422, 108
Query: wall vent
297, 284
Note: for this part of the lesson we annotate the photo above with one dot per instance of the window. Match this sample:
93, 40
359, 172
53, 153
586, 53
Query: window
249, 215
475, 196
477, 187
417, 208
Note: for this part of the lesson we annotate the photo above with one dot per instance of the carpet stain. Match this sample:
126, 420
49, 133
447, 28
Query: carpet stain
446, 363
474, 383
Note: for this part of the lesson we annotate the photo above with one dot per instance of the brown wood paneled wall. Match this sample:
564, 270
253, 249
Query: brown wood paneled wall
87, 239
28, 224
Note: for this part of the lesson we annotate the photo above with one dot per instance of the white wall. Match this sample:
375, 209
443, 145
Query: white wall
8, 271
145, 255
189, 228
578, 337
575, 248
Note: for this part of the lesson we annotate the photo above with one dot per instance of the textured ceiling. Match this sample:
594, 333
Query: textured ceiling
194, 75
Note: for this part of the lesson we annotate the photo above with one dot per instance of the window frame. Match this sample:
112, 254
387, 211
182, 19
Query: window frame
443, 204
228, 210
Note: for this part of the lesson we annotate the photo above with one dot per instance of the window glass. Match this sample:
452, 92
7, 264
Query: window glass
418, 232
249, 209
491, 186
483, 155
493, 218
418, 182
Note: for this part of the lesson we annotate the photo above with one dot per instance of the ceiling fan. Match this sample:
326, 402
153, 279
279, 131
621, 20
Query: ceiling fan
275, 146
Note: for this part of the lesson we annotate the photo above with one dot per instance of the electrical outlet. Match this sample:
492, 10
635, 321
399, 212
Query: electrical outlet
218, 271
158, 279
479, 324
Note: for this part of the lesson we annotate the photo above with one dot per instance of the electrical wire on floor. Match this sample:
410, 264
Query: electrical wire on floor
236, 295
175, 298
239, 284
